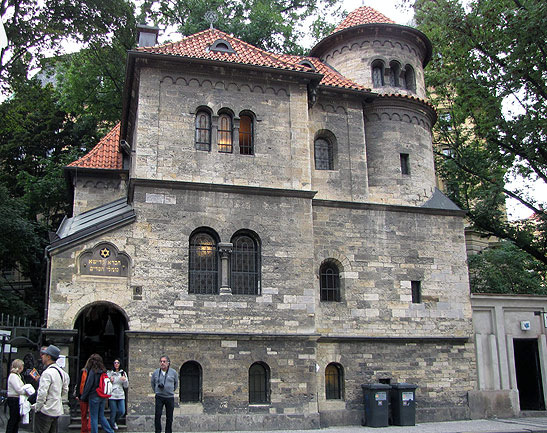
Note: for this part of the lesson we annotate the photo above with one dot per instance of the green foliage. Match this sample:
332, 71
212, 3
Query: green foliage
507, 269
274, 25
489, 75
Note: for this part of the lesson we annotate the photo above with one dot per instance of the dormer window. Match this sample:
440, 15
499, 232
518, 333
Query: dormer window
307, 64
222, 46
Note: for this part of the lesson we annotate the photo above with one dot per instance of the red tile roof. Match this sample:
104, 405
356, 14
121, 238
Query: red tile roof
331, 77
363, 15
198, 46
105, 155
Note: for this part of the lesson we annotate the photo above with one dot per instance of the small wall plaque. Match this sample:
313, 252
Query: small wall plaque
104, 260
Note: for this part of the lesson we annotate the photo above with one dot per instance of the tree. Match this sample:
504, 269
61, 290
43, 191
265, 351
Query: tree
506, 269
274, 25
36, 29
488, 78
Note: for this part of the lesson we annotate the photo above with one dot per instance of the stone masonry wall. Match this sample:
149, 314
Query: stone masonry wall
225, 363
379, 252
165, 139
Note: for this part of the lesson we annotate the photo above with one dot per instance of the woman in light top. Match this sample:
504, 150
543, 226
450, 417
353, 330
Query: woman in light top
119, 380
15, 389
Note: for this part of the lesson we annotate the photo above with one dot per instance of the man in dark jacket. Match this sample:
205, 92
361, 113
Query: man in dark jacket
164, 382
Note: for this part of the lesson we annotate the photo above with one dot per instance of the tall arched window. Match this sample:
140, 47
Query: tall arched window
203, 130
259, 383
324, 154
410, 78
377, 73
190, 382
203, 275
246, 132
329, 281
245, 270
394, 73
333, 381
225, 133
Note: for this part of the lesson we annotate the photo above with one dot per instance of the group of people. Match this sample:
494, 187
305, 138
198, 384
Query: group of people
92, 405
53, 388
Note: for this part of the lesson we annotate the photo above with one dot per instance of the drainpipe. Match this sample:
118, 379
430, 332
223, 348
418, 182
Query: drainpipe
48, 270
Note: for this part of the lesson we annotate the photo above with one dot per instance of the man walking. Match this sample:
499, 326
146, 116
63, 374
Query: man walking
164, 382
51, 391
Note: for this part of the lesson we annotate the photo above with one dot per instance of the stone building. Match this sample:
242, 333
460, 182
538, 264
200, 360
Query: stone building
271, 222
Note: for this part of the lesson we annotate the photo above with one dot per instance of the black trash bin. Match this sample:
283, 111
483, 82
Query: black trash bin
403, 403
376, 404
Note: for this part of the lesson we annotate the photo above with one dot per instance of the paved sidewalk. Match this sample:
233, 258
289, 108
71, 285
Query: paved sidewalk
509, 425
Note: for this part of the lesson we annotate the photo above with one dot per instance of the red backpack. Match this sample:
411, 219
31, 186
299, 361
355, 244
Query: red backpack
104, 390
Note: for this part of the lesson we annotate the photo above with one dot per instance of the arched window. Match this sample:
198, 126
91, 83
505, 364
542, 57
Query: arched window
394, 73
225, 133
334, 378
259, 383
377, 73
203, 275
203, 130
190, 382
245, 269
246, 135
410, 78
324, 154
329, 281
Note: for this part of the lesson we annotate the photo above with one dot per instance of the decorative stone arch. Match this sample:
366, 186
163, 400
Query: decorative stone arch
101, 328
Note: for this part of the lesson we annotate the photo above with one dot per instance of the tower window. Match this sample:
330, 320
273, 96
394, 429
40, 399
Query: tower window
405, 163
416, 287
329, 282
246, 139
324, 154
377, 73
225, 133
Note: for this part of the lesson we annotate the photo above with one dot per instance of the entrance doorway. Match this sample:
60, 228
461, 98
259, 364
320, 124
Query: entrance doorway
101, 329
528, 372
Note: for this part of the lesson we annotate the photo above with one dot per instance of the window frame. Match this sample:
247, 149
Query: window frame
264, 380
251, 276
211, 271
249, 148
329, 293
377, 70
322, 163
334, 390
200, 129
225, 133
196, 386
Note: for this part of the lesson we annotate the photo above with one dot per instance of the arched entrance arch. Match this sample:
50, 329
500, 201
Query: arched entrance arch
101, 329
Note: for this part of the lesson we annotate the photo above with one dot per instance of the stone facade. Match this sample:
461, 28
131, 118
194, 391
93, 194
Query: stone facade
384, 231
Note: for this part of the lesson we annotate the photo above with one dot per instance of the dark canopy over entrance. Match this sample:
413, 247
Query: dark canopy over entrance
101, 329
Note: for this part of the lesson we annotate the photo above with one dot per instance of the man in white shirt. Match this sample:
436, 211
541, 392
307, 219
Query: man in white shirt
53, 388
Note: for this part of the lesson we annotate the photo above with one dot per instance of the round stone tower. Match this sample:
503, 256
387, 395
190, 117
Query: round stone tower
370, 49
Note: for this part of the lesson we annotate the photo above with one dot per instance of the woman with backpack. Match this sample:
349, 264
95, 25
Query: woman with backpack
90, 394
84, 405
118, 377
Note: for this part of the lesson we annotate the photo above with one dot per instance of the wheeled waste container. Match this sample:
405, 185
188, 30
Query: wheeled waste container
376, 404
403, 403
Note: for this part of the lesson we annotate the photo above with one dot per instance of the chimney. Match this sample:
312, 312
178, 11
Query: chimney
147, 35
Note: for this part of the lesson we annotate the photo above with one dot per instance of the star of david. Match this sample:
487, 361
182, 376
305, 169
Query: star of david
105, 252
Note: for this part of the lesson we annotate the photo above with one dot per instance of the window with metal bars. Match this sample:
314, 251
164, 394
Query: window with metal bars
245, 269
259, 383
203, 130
246, 139
333, 381
323, 151
225, 133
329, 281
190, 382
203, 275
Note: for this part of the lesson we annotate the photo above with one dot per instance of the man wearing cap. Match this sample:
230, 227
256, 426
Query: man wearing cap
53, 388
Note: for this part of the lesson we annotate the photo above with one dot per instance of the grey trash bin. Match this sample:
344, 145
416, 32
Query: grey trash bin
403, 403
376, 399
